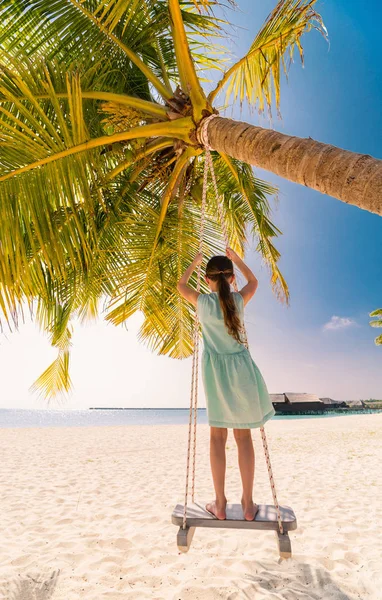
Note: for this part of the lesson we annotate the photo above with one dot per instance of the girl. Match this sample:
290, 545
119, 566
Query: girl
236, 393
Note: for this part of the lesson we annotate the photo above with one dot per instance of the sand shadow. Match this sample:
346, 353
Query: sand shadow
31, 587
300, 580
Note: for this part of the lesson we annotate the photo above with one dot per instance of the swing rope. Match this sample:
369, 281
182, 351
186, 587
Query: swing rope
195, 367
208, 166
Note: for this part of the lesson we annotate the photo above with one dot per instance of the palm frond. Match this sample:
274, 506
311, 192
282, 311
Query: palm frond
148, 281
45, 213
42, 26
55, 380
246, 207
377, 323
153, 268
187, 72
44, 132
55, 319
251, 78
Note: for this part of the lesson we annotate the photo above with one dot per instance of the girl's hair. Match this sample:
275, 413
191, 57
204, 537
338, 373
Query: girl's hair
220, 269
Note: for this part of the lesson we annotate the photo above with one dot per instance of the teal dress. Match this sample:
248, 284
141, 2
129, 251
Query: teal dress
236, 394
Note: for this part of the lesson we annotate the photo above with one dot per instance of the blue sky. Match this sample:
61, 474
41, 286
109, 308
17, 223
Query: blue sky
331, 252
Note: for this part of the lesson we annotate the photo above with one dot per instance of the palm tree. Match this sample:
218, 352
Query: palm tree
377, 323
101, 108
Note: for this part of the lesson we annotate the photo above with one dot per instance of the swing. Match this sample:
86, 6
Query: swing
188, 516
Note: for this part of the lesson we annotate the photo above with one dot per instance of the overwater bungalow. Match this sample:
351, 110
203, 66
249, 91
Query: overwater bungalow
292, 402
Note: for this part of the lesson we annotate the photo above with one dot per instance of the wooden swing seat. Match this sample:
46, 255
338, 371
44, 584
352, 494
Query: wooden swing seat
266, 519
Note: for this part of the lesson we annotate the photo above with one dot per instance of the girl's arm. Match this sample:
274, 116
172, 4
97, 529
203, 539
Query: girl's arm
250, 288
185, 290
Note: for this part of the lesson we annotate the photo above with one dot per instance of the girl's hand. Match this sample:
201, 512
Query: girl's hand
231, 254
198, 259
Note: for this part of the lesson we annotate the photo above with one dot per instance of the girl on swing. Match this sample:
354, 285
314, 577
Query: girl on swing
235, 391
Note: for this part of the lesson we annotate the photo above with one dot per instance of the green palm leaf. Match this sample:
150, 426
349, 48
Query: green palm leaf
377, 323
91, 26
54, 318
247, 211
55, 380
251, 78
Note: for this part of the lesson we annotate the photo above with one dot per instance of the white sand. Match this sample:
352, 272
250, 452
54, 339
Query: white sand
86, 513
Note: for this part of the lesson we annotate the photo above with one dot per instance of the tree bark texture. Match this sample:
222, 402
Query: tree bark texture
353, 178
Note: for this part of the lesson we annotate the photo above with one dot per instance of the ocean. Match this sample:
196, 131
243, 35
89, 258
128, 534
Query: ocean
129, 416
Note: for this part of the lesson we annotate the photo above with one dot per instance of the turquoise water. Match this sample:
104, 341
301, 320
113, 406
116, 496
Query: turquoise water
145, 416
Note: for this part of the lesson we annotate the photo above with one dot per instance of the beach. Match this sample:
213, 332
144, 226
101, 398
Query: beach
86, 513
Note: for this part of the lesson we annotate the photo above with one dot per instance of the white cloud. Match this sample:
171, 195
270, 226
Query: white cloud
338, 323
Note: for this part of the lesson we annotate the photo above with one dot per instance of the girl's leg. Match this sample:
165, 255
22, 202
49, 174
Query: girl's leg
218, 441
247, 470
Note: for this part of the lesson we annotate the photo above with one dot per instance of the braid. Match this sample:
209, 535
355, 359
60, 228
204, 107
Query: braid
220, 269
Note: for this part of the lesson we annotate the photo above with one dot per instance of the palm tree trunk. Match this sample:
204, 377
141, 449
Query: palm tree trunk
350, 177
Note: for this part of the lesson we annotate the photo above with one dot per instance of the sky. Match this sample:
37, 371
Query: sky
331, 252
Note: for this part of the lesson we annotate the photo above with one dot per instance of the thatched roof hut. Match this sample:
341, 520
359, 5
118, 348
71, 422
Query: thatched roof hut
355, 404
293, 398
277, 398
331, 402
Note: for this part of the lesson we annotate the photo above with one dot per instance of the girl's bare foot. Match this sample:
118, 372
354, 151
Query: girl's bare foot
250, 510
217, 509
